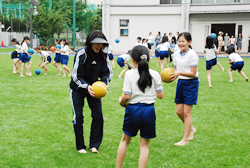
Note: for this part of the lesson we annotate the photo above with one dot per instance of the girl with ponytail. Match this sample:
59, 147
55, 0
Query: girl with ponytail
141, 87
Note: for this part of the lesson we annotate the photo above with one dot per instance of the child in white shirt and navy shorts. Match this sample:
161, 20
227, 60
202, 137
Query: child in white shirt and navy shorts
141, 87
45, 58
237, 63
122, 60
186, 69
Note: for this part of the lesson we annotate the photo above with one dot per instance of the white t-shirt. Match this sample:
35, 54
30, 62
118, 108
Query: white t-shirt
25, 47
210, 53
236, 57
165, 46
145, 45
130, 86
176, 48
232, 40
18, 48
66, 49
125, 57
136, 44
44, 54
150, 39
184, 62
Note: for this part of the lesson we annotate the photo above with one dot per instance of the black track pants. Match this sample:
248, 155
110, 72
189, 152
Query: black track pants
96, 133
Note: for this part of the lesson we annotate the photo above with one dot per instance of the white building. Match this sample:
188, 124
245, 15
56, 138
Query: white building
128, 19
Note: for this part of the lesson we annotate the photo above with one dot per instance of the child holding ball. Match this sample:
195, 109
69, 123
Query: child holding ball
47, 59
24, 57
237, 63
186, 63
90, 64
65, 57
211, 58
141, 87
14, 55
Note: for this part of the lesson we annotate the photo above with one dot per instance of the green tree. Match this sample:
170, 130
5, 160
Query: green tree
96, 20
47, 23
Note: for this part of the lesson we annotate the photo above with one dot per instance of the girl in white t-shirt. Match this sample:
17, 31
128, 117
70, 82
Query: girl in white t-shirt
25, 57
65, 56
47, 59
186, 70
232, 41
211, 57
14, 55
164, 51
141, 87
237, 63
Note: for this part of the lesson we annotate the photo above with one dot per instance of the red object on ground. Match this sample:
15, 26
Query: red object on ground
2, 44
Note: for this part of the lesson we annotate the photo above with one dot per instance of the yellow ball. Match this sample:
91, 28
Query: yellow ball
100, 89
165, 75
127, 101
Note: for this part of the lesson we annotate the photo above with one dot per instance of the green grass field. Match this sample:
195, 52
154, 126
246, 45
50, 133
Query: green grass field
36, 122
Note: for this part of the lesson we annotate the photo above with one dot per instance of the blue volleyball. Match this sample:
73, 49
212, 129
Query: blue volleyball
152, 43
58, 46
31, 51
38, 71
75, 50
29, 56
213, 35
117, 40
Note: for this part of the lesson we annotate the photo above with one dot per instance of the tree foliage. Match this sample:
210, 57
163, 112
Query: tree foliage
96, 20
48, 23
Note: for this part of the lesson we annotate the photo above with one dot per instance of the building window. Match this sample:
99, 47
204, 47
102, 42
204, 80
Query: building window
217, 1
170, 1
124, 27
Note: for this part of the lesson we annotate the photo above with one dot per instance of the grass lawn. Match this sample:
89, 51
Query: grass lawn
36, 122
5, 50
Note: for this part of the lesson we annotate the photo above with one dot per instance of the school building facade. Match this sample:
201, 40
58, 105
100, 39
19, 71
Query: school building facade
126, 20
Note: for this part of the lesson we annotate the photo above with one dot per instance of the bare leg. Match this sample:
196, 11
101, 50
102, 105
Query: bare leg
243, 74
65, 68
158, 61
187, 125
239, 50
113, 64
28, 69
220, 66
180, 111
122, 72
122, 149
21, 75
162, 64
144, 151
168, 60
230, 75
45, 68
209, 77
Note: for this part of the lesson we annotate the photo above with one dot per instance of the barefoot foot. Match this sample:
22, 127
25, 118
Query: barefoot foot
22, 76
82, 151
64, 76
70, 75
246, 79
119, 77
181, 143
222, 69
191, 134
230, 80
94, 150
45, 73
210, 86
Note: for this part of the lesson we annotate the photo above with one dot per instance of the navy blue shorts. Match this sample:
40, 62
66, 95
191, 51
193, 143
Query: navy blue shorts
187, 91
57, 58
211, 63
140, 117
111, 57
237, 66
120, 61
164, 54
64, 59
157, 54
24, 57
48, 59
14, 55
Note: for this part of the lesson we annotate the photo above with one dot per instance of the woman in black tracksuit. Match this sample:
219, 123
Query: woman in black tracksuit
90, 64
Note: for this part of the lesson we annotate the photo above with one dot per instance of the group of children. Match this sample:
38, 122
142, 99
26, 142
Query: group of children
21, 55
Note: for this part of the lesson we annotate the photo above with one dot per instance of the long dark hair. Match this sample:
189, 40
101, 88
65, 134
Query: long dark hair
15, 40
173, 38
93, 34
141, 55
187, 36
164, 39
209, 42
66, 42
25, 38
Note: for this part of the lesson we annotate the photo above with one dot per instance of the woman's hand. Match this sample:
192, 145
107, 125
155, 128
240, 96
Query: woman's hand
38, 65
174, 75
90, 90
